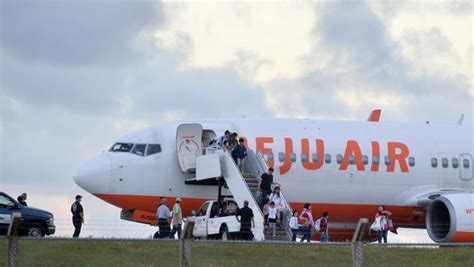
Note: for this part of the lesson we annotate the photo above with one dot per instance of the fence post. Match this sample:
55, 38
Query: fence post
358, 243
186, 243
13, 236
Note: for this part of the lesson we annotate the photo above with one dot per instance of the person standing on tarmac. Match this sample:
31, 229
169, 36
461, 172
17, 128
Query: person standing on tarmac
163, 214
177, 214
307, 218
246, 221
323, 227
77, 216
22, 199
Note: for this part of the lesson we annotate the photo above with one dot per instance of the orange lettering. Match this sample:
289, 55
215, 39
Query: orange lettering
375, 153
400, 157
288, 151
352, 148
260, 144
308, 164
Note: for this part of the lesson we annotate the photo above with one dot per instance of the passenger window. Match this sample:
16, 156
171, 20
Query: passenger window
281, 156
121, 147
153, 149
270, 156
293, 157
434, 162
139, 149
304, 158
375, 160
315, 157
339, 158
365, 160
411, 161
466, 164
327, 158
444, 162
352, 159
455, 163
387, 160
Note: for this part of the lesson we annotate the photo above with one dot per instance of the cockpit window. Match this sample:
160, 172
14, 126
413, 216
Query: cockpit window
139, 149
121, 147
153, 149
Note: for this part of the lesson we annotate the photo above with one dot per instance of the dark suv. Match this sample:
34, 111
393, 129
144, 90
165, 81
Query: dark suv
34, 222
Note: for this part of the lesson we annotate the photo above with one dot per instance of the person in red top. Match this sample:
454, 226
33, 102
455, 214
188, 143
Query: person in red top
306, 218
383, 215
323, 227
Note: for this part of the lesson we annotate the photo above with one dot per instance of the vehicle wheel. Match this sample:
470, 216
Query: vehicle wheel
224, 233
34, 231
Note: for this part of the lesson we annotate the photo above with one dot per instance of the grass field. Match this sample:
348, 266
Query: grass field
155, 253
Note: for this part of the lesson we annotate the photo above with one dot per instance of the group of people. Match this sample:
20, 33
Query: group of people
234, 145
164, 216
305, 224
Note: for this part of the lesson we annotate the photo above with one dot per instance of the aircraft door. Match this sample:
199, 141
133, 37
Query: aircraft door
188, 145
465, 166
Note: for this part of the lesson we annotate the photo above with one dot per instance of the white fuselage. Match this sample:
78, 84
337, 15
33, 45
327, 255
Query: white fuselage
407, 175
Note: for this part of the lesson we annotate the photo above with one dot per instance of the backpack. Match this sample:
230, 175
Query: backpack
317, 224
377, 224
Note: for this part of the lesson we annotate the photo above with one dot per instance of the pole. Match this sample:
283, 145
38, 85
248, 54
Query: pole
186, 243
358, 243
13, 236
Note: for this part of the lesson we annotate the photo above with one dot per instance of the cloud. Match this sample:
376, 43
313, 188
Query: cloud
69, 32
57, 110
262, 41
362, 66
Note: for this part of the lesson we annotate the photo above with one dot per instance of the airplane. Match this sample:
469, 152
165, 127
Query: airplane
422, 173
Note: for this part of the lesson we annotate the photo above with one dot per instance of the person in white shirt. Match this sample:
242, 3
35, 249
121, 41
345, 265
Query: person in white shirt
294, 225
220, 141
272, 218
279, 204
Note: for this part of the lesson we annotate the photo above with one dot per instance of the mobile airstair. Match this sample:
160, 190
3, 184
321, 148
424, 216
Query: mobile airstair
212, 163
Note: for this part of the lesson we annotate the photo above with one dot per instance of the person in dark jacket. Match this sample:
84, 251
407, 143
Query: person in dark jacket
239, 153
22, 199
246, 221
77, 216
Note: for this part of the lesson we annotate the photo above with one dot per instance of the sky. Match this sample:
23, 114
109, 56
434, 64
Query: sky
76, 75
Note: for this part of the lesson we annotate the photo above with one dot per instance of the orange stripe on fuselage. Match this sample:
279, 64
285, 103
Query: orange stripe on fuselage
402, 215
463, 237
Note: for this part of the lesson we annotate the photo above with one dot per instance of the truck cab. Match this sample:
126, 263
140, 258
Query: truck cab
34, 222
217, 221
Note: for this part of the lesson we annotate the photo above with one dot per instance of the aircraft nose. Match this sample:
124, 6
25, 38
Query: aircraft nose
94, 175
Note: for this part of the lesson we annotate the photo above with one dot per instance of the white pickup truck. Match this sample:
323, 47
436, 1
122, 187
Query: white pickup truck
217, 223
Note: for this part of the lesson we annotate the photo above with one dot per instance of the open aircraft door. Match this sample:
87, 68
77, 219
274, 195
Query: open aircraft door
465, 167
188, 145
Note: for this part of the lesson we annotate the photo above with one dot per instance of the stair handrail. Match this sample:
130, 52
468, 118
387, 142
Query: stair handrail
227, 154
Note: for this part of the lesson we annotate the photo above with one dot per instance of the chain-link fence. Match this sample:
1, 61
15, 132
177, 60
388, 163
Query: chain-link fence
134, 252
